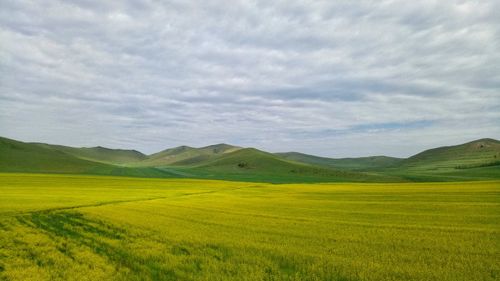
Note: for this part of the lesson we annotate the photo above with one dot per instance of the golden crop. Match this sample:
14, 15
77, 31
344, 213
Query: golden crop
55, 227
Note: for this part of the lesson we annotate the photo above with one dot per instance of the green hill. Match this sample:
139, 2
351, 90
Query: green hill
217, 161
185, 155
253, 164
100, 154
355, 164
16, 156
476, 160
479, 153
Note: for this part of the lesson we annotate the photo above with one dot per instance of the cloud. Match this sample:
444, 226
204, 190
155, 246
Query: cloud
335, 78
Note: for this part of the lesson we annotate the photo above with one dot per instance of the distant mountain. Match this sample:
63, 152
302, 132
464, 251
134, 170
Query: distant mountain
354, 164
186, 155
99, 154
475, 154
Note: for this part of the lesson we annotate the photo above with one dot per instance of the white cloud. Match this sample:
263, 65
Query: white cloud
318, 76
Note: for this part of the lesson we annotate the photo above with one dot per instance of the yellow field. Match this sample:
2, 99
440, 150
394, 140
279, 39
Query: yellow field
56, 227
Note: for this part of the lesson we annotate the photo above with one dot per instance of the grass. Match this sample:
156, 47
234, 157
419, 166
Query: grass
24, 157
451, 175
99, 154
250, 164
65, 227
185, 155
483, 152
18, 156
353, 164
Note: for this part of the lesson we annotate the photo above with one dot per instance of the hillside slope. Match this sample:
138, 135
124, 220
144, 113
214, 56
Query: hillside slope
479, 153
355, 164
16, 156
186, 155
253, 164
100, 154
476, 160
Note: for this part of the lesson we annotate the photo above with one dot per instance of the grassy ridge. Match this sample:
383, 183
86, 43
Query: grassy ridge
254, 165
475, 160
185, 155
468, 155
111, 228
26, 157
100, 154
22, 157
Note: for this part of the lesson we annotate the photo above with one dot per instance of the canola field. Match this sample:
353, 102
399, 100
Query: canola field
64, 227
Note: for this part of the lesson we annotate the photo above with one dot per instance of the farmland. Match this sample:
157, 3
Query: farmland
77, 227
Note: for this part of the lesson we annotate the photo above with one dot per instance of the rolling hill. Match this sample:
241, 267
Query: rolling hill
479, 153
186, 155
16, 156
253, 164
99, 153
476, 160
219, 161
354, 164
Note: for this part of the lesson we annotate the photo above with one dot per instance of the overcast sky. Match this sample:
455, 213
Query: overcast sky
332, 78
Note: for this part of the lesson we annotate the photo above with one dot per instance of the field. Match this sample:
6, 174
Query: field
69, 227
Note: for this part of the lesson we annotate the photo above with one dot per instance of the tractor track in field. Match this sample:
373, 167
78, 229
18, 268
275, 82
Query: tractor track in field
114, 202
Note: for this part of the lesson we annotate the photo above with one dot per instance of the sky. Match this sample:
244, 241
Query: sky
330, 78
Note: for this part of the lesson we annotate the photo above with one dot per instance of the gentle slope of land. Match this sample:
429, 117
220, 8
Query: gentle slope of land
479, 153
256, 165
478, 160
18, 156
24, 157
185, 155
100, 154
